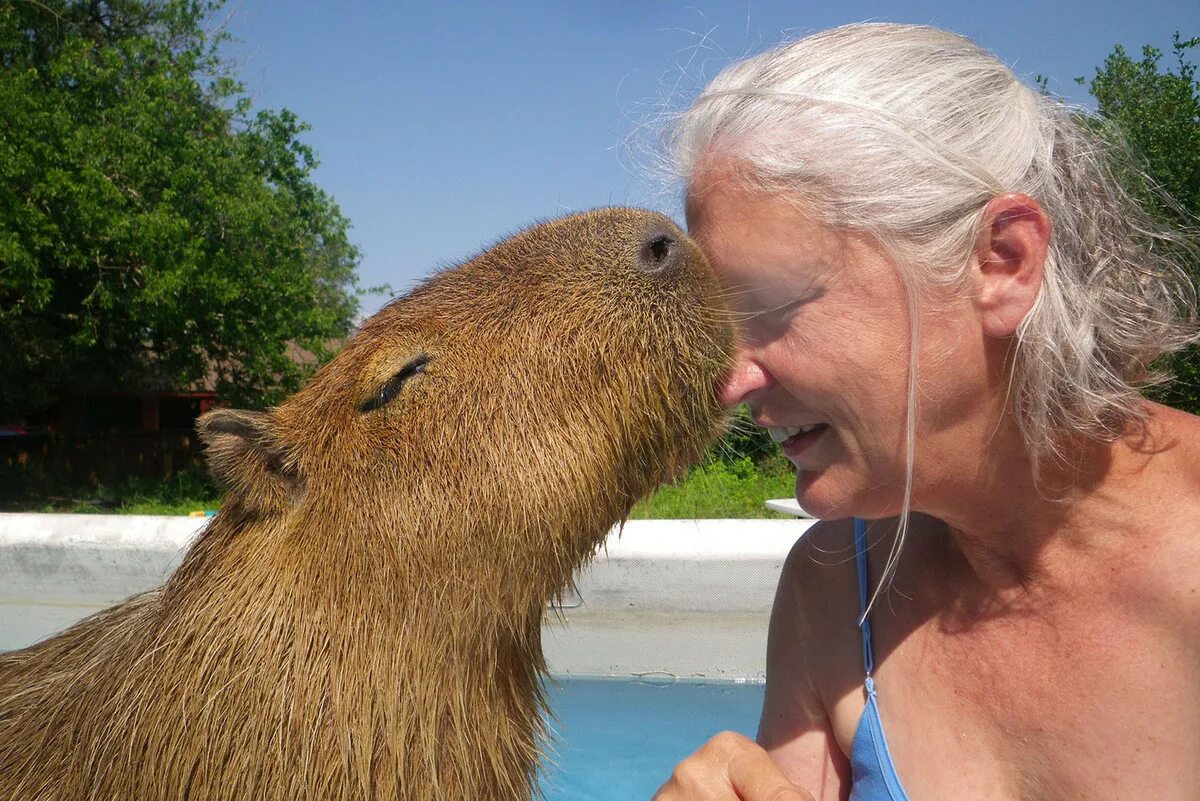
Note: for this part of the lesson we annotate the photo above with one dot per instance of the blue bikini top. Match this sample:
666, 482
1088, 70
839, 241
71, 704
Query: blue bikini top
872, 773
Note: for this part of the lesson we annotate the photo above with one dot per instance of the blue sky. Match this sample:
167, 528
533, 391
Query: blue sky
442, 127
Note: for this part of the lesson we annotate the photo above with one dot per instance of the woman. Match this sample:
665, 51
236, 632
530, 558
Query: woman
948, 309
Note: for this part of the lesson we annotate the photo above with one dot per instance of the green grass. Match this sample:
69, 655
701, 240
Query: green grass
718, 488
186, 492
721, 489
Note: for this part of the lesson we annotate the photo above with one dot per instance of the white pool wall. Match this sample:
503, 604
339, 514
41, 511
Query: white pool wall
686, 598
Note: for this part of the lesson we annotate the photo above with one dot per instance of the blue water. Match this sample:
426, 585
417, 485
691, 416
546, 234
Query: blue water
618, 740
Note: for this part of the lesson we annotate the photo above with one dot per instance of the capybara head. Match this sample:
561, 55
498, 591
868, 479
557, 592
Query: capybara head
362, 618
512, 407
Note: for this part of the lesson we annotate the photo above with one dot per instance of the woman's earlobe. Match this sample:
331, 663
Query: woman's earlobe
1010, 255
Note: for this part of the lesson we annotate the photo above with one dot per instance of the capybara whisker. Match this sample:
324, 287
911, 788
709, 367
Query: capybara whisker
362, 618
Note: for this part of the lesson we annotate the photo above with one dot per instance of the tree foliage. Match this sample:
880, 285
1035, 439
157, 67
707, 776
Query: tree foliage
1156, 112
153, 230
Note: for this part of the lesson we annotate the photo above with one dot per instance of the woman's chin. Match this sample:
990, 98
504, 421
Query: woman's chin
821, 497
827, 496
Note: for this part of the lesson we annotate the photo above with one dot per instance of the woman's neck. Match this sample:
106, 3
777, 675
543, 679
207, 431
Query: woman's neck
1023, 529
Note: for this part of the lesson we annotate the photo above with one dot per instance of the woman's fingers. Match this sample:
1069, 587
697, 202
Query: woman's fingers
729, 767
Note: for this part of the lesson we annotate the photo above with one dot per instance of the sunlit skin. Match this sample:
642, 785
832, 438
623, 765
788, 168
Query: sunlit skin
1040, 640
825, 332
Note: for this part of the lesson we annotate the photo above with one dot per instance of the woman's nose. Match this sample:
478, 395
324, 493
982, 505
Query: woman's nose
746, 376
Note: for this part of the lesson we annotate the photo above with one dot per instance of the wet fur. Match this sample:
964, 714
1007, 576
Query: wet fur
362, 619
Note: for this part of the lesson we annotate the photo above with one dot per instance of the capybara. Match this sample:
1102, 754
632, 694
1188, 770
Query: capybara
361, 620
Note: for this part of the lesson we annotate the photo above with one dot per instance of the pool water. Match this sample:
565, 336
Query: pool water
619, 739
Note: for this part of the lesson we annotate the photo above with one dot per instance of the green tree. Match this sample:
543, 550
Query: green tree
153, 230
1156, 112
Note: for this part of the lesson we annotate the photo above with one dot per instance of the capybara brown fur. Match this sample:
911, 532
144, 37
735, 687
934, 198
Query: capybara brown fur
361, 620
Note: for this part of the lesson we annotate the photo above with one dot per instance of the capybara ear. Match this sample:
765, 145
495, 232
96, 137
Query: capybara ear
245, 454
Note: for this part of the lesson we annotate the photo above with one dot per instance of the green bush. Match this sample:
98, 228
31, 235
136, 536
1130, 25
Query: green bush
743, 440
722, 488
738, 473
1153, 108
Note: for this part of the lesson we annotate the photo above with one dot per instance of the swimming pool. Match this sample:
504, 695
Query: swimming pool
618, 739
663, 647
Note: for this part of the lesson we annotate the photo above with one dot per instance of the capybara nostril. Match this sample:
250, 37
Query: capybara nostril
657, 253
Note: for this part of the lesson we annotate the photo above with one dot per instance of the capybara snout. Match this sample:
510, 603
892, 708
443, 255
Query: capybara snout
362, 618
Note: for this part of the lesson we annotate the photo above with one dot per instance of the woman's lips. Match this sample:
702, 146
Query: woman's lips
794, 440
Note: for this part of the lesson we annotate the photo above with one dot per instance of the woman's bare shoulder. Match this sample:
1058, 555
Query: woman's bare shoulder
1170, 433
814, 642
818, 583
811, 642
1169, 503
1162, 484
818, 597
820, 571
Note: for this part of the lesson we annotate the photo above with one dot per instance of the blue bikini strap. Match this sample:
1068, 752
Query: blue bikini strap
860, 559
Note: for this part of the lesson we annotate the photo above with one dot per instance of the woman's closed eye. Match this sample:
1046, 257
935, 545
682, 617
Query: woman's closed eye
771, 323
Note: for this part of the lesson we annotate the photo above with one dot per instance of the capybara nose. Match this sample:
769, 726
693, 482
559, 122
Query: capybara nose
659, 252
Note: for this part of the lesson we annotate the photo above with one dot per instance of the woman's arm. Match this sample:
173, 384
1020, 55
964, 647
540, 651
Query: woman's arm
795, 728
796, 757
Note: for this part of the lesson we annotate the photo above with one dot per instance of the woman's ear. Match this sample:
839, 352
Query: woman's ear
1009, 254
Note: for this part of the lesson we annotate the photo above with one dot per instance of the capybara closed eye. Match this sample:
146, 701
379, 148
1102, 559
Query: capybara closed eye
362, 618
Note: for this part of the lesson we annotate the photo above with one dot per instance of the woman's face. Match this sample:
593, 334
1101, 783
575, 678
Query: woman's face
824, 347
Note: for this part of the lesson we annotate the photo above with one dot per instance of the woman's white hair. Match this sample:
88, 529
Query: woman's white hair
905, 133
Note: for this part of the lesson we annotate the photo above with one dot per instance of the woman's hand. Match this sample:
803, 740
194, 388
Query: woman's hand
729, 767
